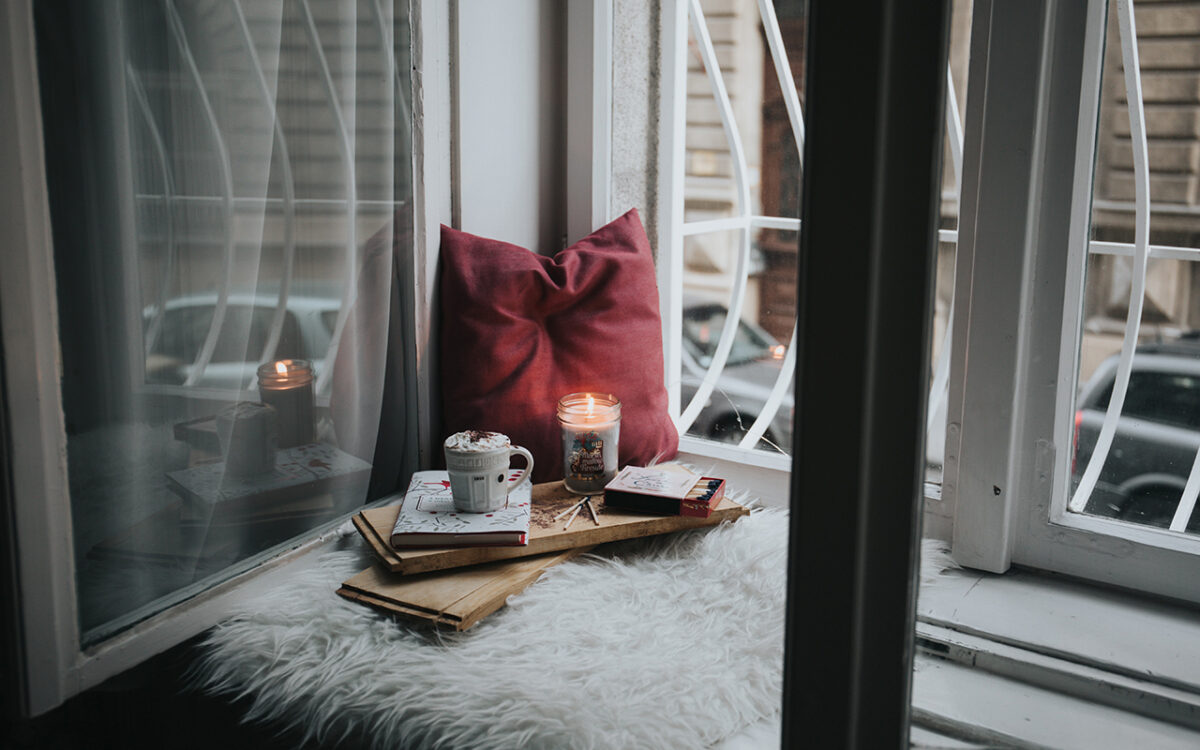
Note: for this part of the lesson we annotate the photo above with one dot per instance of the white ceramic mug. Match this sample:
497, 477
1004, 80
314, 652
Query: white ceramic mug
478, 464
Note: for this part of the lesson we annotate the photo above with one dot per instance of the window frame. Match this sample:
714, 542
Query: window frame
1030, 151
29, 325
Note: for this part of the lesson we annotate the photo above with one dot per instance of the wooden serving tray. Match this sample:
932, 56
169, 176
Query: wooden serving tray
453, 598
545, 534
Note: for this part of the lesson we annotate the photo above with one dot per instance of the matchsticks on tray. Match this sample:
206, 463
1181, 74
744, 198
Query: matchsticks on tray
574, 511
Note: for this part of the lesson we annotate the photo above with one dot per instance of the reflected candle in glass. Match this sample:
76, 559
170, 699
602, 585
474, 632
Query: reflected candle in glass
287, 385
591, 424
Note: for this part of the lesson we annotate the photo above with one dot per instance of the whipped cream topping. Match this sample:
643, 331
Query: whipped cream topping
476, 441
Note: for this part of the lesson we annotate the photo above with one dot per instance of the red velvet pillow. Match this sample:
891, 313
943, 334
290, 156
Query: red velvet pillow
520, 330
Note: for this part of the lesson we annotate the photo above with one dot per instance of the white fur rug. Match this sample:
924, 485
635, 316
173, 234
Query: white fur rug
671, 642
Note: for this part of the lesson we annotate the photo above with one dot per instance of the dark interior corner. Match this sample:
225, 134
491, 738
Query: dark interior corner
150, 706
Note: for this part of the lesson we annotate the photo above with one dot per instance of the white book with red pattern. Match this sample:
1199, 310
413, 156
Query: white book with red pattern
428, 517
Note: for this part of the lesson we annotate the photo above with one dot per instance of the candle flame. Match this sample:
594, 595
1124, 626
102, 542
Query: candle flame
281, 368
591, 406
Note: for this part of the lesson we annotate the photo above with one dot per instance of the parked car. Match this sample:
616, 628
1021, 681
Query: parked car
754, 363
306, 333
1156, 439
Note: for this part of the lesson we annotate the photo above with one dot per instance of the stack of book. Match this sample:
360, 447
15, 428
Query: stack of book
428, 518
438, 565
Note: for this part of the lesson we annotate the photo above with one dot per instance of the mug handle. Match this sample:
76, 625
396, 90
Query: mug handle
524, 477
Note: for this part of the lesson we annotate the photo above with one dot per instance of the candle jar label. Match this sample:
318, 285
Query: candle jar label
586, 459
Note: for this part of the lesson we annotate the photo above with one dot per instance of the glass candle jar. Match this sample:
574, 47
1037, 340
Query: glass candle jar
591, 424
287, 385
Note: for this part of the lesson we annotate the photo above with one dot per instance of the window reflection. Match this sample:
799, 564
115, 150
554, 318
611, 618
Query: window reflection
228, 181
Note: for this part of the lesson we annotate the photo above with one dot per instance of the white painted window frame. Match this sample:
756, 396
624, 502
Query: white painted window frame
1018, 291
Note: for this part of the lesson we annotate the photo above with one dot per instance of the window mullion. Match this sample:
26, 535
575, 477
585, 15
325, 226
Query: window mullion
672, 157
988, 335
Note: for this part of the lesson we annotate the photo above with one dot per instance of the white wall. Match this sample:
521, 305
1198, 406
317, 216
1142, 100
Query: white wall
510, 97
636, 107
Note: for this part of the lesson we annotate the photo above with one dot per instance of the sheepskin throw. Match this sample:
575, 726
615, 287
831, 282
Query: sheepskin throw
669, 642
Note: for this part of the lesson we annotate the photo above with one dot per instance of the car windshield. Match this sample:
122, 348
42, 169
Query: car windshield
702, 327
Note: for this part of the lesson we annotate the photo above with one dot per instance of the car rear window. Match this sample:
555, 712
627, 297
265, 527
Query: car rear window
242, 338
1164, 397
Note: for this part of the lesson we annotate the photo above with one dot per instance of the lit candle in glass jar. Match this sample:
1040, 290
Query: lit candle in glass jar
287, 385
591, 424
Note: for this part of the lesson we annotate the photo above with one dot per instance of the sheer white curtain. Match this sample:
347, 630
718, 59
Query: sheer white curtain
230, 188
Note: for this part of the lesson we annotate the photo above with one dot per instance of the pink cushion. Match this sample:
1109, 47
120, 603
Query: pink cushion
520, 330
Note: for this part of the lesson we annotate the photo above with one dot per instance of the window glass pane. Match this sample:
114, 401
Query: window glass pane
758, 109
226, 180
755, 359
1155, 436
702, 325
709, 187
762, 193
958, 58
